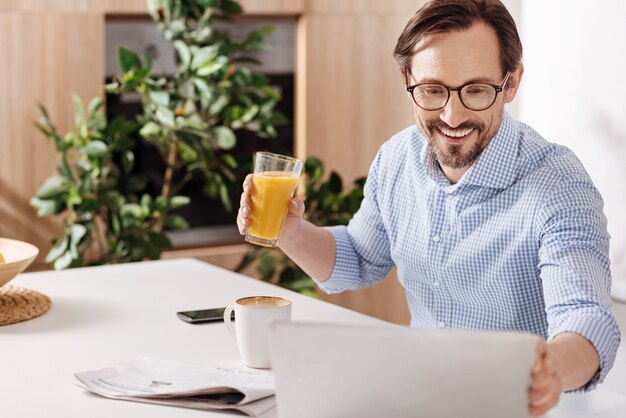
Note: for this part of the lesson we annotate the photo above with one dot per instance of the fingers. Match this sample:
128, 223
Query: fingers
541, 349
243, 219
541, 401
296, 208
243, 215
546, 384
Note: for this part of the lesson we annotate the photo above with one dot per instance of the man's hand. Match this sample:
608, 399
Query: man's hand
292, 222
546, 386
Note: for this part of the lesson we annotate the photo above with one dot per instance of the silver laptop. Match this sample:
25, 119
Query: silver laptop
350, 371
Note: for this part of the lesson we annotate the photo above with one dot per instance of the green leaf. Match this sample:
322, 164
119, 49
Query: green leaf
94, 105
146, 200
262, 32
160, 204
77, 232
211, 67
248, 59
225, 197
224, 137
165, 116
96, 149
63, 261
52, 187
229, 160
88, 205
230, 7
335, 183
178, 201
218, 105
175, 28
203, 88
97, 121
127, 59
115, 224
73, 198
57, 250
128, 161
46, 207
176, 222
150, 129
78, 109
314, 169
132, 210
161, 98
204, 56
250, 114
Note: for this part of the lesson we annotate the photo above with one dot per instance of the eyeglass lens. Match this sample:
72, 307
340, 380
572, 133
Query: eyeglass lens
473, 96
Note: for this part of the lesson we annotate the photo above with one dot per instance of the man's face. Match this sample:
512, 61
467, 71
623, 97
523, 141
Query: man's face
458, 135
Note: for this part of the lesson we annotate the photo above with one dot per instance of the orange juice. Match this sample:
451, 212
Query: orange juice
271, 193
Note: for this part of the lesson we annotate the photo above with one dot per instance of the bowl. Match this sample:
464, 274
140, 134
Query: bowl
17, 255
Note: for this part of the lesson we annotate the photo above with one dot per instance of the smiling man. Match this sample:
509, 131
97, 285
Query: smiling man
489, 225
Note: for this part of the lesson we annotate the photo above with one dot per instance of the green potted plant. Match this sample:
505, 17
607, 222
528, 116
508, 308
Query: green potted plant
191, 117
105, 221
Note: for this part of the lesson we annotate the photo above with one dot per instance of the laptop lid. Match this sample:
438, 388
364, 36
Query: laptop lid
340, 371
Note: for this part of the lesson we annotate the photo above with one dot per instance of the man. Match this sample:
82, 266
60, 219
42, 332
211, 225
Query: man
489, 225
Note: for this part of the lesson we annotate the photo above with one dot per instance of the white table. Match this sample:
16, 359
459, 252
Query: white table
105, 315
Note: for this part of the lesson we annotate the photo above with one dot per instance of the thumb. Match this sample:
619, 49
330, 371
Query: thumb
296, 207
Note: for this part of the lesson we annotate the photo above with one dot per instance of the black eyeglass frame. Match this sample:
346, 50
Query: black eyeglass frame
497, 88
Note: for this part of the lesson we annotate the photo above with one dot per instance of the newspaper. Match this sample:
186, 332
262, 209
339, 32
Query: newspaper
164, 382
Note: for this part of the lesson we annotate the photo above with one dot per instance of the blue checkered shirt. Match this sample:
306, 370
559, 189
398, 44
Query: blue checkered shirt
519, 243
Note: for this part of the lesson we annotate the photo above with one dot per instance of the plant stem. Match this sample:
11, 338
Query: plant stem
169, 174
99, 235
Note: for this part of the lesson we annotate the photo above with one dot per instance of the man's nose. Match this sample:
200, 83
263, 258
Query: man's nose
454, 112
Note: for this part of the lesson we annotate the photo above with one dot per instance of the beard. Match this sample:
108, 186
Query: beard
453, 156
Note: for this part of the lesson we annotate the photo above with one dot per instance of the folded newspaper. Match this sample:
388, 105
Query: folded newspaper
164, 382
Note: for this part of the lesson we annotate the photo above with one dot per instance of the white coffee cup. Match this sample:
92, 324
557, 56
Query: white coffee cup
252, 316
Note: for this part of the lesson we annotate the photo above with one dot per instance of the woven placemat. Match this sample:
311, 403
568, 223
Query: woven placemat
19, 304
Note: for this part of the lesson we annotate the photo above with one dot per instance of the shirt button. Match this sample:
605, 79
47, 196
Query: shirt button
441, 324
436, 283
436, 238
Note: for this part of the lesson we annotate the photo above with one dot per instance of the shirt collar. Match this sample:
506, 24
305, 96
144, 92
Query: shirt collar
495, 167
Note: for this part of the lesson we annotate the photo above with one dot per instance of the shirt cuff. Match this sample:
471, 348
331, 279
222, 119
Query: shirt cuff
343, 276
604, 336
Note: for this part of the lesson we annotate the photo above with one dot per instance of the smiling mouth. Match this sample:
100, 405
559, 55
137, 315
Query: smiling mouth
455, 134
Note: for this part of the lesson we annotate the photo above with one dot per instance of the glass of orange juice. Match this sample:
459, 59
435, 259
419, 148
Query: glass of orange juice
273, 184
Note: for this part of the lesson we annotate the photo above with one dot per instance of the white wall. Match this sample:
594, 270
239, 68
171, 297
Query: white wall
574, 93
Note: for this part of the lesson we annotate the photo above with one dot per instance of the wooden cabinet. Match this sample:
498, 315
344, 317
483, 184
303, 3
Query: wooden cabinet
349, 98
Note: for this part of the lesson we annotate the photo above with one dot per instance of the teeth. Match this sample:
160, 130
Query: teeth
456, 133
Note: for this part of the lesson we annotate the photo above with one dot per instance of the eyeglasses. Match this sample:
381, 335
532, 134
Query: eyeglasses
474, 96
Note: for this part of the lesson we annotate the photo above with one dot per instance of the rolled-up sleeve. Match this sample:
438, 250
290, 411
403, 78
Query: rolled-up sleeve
362, 249
575, 270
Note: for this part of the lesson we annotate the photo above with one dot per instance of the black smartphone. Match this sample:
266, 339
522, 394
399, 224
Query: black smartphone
203, 315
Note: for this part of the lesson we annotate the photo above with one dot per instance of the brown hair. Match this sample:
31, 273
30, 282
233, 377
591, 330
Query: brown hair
439, 16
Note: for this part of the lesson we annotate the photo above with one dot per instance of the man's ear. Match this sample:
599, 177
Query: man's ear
513, 83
